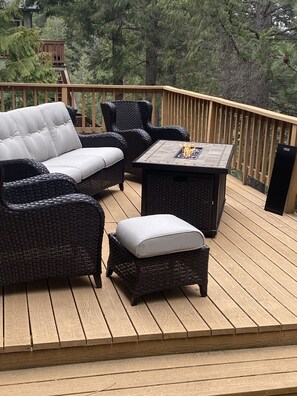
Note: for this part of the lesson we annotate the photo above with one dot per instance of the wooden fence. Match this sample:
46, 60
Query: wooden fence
254, 131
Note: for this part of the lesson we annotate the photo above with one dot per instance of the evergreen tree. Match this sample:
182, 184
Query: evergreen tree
22, 58
242, 50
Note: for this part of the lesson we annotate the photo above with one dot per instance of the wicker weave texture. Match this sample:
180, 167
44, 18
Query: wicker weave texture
184, 195
34, 188
51, 237
107, 177
143, 276
132, 120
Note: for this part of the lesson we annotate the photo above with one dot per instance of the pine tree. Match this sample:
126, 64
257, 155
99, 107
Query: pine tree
20, 48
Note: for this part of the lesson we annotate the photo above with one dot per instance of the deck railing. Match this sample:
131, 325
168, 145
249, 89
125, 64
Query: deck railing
56, 48
255, 131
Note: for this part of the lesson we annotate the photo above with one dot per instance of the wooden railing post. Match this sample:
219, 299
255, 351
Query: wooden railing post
292, 192
164, 118
64, 97
210, 123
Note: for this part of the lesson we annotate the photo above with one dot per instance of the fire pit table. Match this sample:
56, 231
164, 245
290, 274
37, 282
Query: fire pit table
187, 180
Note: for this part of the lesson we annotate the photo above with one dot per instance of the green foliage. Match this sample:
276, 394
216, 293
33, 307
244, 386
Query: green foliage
22, 59
54, 29
230, 48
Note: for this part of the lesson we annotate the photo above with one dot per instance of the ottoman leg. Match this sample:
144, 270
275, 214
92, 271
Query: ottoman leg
133, 300
109, 272
203, 290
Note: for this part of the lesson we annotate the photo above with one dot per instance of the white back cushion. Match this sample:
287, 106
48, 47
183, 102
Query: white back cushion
62, 130
12, 145
35, 133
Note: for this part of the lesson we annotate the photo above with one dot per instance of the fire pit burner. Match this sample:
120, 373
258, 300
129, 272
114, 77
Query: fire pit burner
189, 152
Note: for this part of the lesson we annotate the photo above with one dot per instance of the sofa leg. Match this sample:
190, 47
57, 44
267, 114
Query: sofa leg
121, 185
109, 272
97, 279
203, 290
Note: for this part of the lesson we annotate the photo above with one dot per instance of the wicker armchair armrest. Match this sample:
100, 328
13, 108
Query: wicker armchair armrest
138, 141
63, 201
59, 217
171, 132
136, 137
39, 187
18, 169
65, 231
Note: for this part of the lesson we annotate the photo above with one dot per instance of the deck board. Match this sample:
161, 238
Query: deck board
16, 321
210, 313
67, 319
268, 293
261, 319
42, 321
169, 323
92, 319
252, 295
144, 323
184, 310
119, 323
273, 225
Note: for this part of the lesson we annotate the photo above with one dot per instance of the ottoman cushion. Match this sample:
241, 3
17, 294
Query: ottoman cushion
156, 235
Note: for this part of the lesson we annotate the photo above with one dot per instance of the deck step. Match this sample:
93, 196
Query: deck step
260, 371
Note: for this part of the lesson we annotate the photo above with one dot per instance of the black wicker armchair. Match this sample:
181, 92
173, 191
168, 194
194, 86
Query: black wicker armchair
48, 230
132, 119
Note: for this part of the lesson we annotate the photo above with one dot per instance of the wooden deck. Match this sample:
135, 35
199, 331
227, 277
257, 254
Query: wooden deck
252, 299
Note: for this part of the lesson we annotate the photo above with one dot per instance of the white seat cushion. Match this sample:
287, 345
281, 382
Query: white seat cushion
110, 155
86, 165
156, 235
75, 173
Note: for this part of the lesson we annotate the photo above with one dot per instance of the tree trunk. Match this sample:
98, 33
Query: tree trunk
117, 57
152, 46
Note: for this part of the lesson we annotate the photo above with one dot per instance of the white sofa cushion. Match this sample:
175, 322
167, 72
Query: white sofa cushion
34, 132
86, 165
12, 145
62, 130
75, 173
156, 235
110, 155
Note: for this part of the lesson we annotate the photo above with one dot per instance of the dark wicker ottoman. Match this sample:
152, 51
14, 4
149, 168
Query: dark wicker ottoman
152, 274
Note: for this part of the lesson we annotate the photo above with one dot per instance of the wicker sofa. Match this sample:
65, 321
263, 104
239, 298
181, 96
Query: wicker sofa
42, 139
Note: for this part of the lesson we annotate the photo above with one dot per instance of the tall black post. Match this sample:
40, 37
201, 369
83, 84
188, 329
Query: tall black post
280, 178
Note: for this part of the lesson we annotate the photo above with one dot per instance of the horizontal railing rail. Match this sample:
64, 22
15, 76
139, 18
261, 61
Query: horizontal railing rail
254, 131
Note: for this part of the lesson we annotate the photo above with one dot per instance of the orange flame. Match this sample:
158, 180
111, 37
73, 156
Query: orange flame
187, 150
